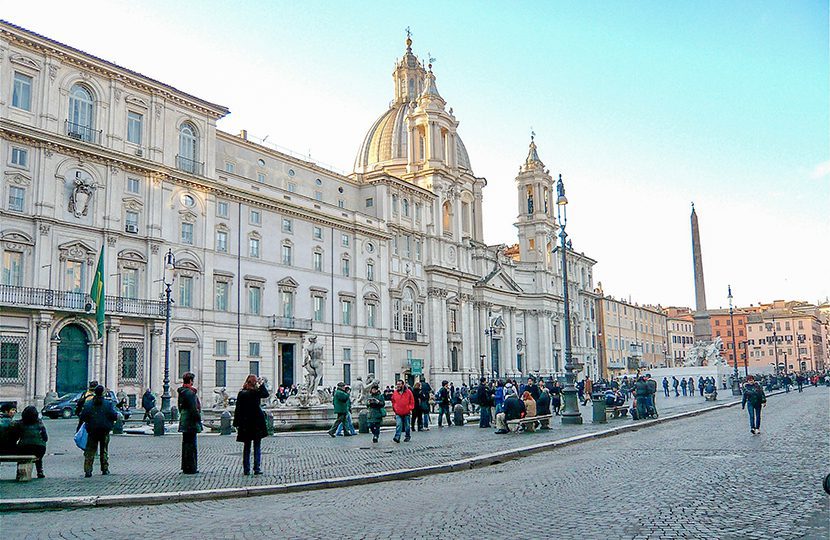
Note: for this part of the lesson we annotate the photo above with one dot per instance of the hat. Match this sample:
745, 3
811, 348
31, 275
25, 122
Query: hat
93, 384
341, 384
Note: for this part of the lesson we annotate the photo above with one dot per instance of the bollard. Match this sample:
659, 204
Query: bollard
225, 424
153, 412
158, 424
363, 422
269, 423
598, 416
118, 426
458, 415
174, 414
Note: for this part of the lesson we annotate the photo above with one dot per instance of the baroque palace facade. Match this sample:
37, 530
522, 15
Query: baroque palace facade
387, 267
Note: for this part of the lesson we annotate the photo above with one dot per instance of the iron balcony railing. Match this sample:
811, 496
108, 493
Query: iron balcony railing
289, 323
189, 165
83, 133
12, 295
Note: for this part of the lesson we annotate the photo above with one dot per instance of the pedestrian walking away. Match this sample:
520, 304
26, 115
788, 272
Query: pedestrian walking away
377, 411
190, 423
484, 397
33, 437
99, 415
340, 399
347, 428
665, 387
417, 420
249, 421
675, 383
753, 395
402, 404
79, 407
148, 402
423, 404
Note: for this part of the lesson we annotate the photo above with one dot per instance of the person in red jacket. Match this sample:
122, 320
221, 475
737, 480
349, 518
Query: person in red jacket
402, 403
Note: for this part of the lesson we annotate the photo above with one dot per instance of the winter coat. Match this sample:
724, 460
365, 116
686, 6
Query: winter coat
424, 396
148, 401
683, 383
99, 416
341, 401
754, 395
543, 404
248, 417
403, 402
377, 409
79, 406
652, 386
513, 407
32, 434
498, 396
641, 389
444, 396
9, 433
589, 386
484, 396
190, 410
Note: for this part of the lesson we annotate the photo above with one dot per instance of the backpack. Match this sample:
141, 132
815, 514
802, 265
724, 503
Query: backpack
474, 398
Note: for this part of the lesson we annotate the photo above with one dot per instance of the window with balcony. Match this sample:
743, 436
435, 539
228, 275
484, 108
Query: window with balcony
287, 303
254, 300
185, 291
135, 123
408, 310
12, 268
17, 198
187, 233
129, 282
20, 157
22, 92
188, 149
75, 276
81, 122
222, 241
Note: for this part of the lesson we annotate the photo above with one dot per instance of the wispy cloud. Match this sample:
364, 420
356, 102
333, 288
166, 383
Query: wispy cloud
821, 170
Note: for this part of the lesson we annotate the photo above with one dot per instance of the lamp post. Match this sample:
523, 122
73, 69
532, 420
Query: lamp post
775, 342
746, 357
169, 265
481, 371
570, 414
736, 384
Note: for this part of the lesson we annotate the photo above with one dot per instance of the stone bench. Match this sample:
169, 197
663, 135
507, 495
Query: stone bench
514, 425
620, 411
24, 466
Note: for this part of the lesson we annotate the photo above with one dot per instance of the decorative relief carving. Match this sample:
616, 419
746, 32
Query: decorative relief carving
158, 110
117, 93
53, 72
82, 193
44, 229
47, 152
20, 179
112, 240
77, 251
437, 292
154, 249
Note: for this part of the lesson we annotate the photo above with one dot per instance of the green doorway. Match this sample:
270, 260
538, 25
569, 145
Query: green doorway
73, 357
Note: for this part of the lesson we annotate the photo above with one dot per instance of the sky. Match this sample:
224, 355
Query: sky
642, 106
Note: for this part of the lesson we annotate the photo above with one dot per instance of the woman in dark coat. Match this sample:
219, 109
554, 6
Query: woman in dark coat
249, 421
190, 423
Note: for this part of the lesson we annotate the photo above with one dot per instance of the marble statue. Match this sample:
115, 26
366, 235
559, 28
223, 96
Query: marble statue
221, 399
703, 353
313, 364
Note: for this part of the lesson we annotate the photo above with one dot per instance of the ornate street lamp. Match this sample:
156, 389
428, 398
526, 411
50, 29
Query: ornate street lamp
169, 266
736, 384
570, 414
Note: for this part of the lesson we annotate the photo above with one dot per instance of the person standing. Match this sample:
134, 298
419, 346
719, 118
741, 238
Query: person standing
190, 422
425, 394
485, 401
403, 403
498, 396
148, 402
580, 391
33, 437
89, 393
754, 396
665, 387
543, 405
417, 418
249, 421
652, 393
340, 399
642, 394
377, 410
444, 396
347, 428
675, 383
701, 384
99, 415
692, 386
683, 384
556, 397
589, 389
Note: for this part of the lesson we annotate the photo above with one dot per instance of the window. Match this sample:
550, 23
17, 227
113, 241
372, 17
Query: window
81, 110
370, 202
417, 249
9, 360
405, 207
185, 291
134, 125
133, 185
222, 208
255, 217
184, 363
12, 268
319, 306
16, 198
221, 373
346, 309
222, 241
254, 300
75, 276
188, 148
318, 195
129, 282
347, 373
222, 293
20, 157
370, 271
253, 348
344, 240
408, 310
395, 245
454, 321
341, 203
345, 266
407, 246
318, 233
287, 225
317, 259
287, 301
230, 167
253, 367
396, 315
286, 254
291, 187
394, 204
221, 348
129, 363
131, 221
419, 310
187, 233
370, 365
260, 177
22, 92
371, 315
417, 212
253, 247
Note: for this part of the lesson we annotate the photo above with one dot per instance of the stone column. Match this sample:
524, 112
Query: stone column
154, 362
41, 363
53, 362
110, 365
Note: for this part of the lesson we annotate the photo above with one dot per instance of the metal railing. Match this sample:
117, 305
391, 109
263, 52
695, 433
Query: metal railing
190, 166
82, 132
289, 323
12, 295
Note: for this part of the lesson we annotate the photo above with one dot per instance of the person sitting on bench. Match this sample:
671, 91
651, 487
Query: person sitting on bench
710, 393
9, 431
514, 409
530, 410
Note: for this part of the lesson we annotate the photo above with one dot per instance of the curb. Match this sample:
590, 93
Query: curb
485, 460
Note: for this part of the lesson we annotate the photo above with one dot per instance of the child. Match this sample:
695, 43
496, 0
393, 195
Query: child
33, 437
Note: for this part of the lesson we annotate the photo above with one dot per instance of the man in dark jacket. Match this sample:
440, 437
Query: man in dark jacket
444, 397
674, 384
666, 387
249, 421
753, 395
642, 393
514, 408
652, 391
340, 399
485, 401
99, 415
543, 405
79, 406
190, 423
148, 402
533, 388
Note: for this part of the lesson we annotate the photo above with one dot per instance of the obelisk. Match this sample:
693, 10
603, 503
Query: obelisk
703, 331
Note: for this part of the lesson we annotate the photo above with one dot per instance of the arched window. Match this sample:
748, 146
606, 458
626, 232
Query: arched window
447, 218
408, 310
80, 121
188, 147
454, 359
405, 207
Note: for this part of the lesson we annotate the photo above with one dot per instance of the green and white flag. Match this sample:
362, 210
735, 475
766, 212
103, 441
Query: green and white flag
97, 294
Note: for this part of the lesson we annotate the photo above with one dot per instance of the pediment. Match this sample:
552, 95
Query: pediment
137, 101
18, 178
16, 239
77, 249
498, 279
187, 216
24, 61
288, 282
133, 203
132, 255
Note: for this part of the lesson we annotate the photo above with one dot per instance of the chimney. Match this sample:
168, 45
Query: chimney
243, 134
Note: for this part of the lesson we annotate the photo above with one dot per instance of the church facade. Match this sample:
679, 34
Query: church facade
387, 267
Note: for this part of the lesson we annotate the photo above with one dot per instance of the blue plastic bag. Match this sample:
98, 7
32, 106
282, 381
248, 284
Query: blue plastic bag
81, 437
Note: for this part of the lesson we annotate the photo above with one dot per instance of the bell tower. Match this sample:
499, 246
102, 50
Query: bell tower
536, 200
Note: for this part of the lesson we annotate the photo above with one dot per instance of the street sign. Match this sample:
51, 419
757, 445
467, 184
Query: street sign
416, 365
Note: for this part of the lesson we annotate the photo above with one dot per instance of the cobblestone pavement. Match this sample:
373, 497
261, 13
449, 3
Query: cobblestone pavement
701, 477
146, 464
